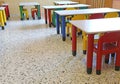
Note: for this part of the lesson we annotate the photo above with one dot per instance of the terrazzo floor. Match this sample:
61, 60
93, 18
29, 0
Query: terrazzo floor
32, 53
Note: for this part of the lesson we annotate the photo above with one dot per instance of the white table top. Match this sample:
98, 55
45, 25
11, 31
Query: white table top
98, 25
86, 11
4, 4
65, 2
28, 3
2, 8
65, 6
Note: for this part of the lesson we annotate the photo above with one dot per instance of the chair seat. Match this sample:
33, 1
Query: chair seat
106, 46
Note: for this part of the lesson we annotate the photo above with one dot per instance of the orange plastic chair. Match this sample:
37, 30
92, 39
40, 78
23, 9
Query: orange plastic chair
108, 43
84, 35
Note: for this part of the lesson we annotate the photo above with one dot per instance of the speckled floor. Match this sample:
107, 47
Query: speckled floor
32, 53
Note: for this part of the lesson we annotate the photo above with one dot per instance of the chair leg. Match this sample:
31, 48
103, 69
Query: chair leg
71, 32
79, 31
84, 45
67, 30
33, 15
27, 16
112, 54
98, 63
107, 58
117, 63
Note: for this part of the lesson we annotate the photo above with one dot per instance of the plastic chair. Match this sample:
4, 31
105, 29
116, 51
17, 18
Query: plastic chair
25, 12
75, 17
84, 35
69, 17
33, 12
108, 43
111, 15
69, 26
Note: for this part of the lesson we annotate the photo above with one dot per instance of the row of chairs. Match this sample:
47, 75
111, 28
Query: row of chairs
33, 12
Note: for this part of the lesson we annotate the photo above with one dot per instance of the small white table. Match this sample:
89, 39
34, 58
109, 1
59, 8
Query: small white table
28, 3
47, 10
65, 2
65, 13
6, 10
36, 4
91, 27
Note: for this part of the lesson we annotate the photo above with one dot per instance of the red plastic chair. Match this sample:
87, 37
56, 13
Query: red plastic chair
33, 12
6, 10
108, 43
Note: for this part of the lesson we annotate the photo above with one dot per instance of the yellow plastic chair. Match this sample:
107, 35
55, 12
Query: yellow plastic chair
111, 15
69, 26
25, 12
84, 35
69, 17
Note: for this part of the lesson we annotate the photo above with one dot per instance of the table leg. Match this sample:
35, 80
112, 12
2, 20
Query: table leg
6, 11
63, 28
1, 20
49, 17
38, 13
45, 12
4, 16
74, 42
57, 23
21, 14
90, 53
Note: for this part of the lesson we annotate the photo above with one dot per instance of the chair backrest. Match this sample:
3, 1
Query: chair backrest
70, 9
79, 17
96, 16
110, 37
111, 15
